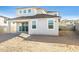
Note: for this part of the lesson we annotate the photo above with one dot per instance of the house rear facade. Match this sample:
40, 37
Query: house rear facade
35, 21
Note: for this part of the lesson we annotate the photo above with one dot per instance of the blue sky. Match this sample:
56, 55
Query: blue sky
66, 12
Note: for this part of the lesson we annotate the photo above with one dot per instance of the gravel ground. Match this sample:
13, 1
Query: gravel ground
68, 41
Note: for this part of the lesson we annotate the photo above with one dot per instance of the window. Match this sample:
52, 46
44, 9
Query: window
5, 21
20, 11
33, 24
50, 24
24, 11
29, 10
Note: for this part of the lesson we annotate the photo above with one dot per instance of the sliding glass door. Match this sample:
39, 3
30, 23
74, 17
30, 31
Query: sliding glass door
23, 27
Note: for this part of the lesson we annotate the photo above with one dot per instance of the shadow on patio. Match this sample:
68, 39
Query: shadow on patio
7, 36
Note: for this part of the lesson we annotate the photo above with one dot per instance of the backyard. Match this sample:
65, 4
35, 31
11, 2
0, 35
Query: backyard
65, 42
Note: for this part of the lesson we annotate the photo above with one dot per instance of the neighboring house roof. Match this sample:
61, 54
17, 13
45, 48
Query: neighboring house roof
5, 17
36, 16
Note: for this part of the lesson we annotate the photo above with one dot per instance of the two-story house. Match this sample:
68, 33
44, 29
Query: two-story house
35, 21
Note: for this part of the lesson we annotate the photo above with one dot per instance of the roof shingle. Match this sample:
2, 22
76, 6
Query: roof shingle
36, 16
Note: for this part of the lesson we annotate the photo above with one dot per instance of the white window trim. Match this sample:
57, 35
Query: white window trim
36, 25
53, 24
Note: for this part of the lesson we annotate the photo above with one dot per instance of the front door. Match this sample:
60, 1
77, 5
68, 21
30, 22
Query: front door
23, 27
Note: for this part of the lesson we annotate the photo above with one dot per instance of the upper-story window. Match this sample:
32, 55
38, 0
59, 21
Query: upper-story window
24, 11
50, 24
20, 11
29, 10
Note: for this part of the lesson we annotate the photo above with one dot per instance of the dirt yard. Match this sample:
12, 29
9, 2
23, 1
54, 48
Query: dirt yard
68, 41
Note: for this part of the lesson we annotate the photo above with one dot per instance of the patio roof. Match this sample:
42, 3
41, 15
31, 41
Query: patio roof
4, 17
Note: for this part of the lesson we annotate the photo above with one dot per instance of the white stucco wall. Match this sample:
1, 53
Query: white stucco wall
12, 27
34, 11
42, 27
